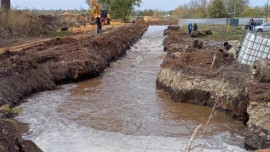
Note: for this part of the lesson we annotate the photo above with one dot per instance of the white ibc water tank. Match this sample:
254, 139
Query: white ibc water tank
255, 46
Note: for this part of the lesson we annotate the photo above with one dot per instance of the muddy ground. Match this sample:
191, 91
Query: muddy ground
190, 74
57, 61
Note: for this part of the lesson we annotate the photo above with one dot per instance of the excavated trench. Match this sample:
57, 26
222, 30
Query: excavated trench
122, 111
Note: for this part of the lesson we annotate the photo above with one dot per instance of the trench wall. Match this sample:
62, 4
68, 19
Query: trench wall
62, 59
187, 75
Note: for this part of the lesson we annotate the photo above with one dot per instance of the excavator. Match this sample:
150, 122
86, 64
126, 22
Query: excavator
105, 17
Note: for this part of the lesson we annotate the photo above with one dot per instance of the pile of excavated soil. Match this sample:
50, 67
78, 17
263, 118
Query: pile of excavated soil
182, 53
42, 67
11, 140
200, 58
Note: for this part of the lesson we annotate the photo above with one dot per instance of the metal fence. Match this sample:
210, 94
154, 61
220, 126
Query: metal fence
255, 46
213, 21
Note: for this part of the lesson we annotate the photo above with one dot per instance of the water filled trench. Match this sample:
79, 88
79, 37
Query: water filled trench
123, 111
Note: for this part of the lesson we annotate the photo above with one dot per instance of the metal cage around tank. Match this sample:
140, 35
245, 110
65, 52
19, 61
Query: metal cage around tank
255, 46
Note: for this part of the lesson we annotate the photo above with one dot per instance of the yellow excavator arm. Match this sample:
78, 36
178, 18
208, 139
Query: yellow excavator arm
93, 4
105, 17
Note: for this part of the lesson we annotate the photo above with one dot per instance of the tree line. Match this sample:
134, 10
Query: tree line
219, 9
119, 9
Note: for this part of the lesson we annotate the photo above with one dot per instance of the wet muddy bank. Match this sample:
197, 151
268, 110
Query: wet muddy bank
189, 74
60, 60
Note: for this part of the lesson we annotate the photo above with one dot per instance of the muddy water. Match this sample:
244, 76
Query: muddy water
123, 111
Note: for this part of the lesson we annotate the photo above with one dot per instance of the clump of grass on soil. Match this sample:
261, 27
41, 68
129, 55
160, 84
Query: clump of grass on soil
220, 32
6, 109
13, 122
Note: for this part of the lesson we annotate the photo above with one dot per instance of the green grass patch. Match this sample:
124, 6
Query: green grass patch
220, 32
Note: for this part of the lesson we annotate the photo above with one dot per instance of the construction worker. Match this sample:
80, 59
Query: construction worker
99, 25
190, 28
195, 27
252, 25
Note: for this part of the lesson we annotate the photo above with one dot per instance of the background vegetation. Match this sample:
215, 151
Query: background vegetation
220, 9
119, 9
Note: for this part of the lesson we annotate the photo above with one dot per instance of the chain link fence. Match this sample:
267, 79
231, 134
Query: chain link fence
213, 21
255, 46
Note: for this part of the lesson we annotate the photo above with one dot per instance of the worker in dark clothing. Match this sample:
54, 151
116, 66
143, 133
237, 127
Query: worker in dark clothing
190, 28
99, 25
252, 25
195, 27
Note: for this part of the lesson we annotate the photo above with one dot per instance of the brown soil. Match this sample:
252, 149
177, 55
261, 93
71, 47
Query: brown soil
200, 58
11, 141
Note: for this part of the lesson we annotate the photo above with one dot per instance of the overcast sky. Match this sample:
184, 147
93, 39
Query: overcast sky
78, 4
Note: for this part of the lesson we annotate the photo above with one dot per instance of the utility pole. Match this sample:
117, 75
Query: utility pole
234, 8
267, 10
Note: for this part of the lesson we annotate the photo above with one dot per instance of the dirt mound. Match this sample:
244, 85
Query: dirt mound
196, 34
38, 68
200, 58
52, 23
11, 141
